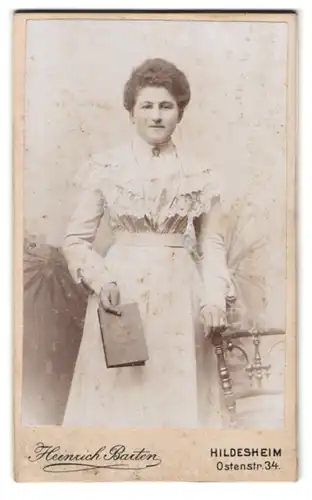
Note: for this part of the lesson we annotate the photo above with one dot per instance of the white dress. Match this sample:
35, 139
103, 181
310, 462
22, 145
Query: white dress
152, 203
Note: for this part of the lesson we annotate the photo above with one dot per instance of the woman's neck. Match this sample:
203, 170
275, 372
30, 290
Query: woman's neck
155, 150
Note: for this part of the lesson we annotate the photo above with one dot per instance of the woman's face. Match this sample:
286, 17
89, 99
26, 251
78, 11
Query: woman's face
155, 115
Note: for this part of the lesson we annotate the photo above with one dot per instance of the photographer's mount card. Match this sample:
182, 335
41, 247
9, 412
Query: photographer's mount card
154, 162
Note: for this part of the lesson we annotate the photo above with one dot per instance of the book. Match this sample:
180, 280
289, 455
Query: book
123, 337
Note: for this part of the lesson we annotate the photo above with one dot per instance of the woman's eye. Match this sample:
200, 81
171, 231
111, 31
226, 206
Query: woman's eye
167, 105
146, 106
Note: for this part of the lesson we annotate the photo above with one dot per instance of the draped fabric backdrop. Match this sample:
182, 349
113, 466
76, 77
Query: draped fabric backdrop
236, 121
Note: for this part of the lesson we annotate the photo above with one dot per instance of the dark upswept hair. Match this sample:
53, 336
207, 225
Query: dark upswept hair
157, 73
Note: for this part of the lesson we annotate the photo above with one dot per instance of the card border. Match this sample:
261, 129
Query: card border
291, 379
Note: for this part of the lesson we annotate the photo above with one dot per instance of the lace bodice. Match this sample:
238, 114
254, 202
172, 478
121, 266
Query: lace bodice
143, 193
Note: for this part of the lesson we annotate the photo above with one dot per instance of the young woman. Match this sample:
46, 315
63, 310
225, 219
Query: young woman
168, 256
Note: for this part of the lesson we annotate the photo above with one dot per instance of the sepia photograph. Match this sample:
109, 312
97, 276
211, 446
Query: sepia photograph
155, 223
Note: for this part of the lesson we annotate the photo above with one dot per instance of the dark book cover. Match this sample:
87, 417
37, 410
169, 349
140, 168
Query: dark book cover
123, 337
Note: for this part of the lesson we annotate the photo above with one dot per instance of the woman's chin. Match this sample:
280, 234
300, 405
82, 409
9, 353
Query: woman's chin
157, 139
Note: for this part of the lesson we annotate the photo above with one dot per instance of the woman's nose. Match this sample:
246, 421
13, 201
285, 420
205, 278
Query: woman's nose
157, 121
156, 115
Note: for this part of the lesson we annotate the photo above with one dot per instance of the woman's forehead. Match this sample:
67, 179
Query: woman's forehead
154, 94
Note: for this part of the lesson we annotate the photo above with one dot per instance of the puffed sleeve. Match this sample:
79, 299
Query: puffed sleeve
84, 262
213, 264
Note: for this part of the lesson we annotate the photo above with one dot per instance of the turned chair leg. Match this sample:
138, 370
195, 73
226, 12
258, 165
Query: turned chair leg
225, 379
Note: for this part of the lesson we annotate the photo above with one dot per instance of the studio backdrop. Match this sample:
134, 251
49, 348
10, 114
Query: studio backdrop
235, 124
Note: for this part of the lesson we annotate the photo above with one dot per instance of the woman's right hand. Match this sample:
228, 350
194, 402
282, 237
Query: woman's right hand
110, 298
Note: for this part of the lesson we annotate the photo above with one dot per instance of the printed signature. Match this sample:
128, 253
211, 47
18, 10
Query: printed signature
117, 457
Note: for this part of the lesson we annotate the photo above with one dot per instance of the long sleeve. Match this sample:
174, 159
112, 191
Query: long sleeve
213, 265
83, 261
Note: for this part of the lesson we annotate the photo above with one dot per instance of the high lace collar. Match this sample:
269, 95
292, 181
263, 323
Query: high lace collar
143, 149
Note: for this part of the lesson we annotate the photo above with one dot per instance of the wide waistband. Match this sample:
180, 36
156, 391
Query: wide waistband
149, 239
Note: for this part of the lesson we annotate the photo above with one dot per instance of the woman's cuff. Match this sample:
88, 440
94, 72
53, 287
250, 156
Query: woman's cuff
95, 284
98, 283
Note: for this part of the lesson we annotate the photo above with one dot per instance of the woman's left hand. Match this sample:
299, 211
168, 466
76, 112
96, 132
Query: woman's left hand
213, 318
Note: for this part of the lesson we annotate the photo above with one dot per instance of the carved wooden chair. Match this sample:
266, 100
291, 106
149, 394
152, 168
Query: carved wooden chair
256, 366
246, 336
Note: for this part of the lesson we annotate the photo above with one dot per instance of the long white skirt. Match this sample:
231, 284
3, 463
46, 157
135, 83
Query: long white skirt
178, 385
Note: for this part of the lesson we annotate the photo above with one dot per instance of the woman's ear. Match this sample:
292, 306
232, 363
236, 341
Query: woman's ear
181, 111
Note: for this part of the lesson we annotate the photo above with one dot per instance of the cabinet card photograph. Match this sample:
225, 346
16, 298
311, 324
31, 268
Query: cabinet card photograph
154, 194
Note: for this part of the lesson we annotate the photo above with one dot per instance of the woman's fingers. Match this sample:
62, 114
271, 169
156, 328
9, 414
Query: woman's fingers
222, 320
214, 319
219, 318
207, 330
110, 297
109, 308
208, 320
114, 296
